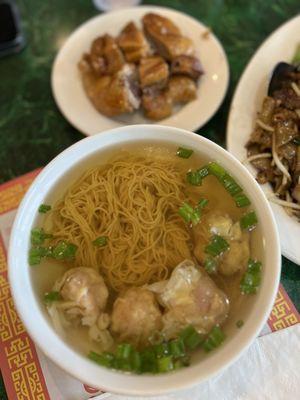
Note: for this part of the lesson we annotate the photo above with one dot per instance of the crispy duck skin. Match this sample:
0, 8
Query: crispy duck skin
112, 95
153, 71
133, 43
106, 58
166, 37
187, 65
181, 89
157, 105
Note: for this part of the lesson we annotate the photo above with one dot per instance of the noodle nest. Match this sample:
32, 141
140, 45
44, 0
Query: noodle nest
134, 202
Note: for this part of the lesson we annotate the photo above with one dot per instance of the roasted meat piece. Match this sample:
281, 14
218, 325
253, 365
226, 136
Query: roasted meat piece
133, 43
181, 89
105, 56
157, 105
112, 95
186, 65
166, 37
153, 71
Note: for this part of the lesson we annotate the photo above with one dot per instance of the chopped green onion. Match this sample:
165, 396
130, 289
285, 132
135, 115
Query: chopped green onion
38, 236
100, 241
202, 203
124, 351
191, 338
177, 348
210, 265
64, 251
43, 208
135, 361
230, 185
249, 221
252, 278
148, 361
184, 153
161, 349
105, 359
216, 170
241, 200
165, 364
296, 141
190, 214
296, 58
214, 339
217, 246
49, 297
239, 323
195, 177
36, 254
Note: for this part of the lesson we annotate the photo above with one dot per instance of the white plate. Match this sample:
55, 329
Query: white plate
76, 107
251, 90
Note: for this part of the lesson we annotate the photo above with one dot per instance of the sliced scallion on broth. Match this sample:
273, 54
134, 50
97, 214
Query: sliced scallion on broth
252, 277
44, 208
184, 152
249, 221
217, 246
52, 296
101, 241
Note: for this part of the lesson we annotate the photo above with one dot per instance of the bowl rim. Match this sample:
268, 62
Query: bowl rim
76, 364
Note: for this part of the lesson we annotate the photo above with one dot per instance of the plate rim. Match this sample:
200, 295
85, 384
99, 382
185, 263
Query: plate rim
149, 8
294, 258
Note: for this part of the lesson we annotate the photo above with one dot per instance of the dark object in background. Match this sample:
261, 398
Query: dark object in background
11, 36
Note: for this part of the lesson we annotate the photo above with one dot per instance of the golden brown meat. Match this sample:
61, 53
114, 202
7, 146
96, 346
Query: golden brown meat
166, 37
157, 105
133, 43
153, 71
136, 316
181, 89
186, 65
105, 56
112, 95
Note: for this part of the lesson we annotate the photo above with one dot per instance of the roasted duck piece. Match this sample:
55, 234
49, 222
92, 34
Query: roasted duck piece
157, 105
186, 65
166, 37
153, 71
181, 89
133, 43
105, 56
112, 94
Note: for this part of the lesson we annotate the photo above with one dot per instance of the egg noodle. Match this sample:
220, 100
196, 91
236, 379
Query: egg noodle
134, 202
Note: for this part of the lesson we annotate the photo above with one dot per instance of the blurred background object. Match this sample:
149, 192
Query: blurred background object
107, 5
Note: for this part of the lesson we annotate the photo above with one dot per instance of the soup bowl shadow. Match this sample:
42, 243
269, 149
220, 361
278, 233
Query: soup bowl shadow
51, 184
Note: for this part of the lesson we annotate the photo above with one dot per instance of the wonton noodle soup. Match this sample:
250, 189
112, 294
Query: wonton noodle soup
152, 255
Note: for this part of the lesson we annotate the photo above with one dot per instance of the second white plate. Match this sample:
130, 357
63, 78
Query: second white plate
76, 107
247, 101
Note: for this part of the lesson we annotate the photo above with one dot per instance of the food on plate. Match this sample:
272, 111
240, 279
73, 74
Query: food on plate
141, 67
146, 257
274, 145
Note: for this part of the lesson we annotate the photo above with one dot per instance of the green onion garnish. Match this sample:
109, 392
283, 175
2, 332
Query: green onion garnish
210, 265
165, 364
184, 153
214, 339
202, 203
241, 200
191, 338
249, 221
195, 177
230, 185
239, 323
36, 254
124, 351
148, 361
136, 361
161, 349
190, 214
49, 297
43, 208
251, 280
64, 251
177, 348
217, 246
38, 236
296, 58
105, 359
216, 169
100, 241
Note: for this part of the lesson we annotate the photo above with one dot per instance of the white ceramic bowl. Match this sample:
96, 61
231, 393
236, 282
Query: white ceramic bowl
51, 184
